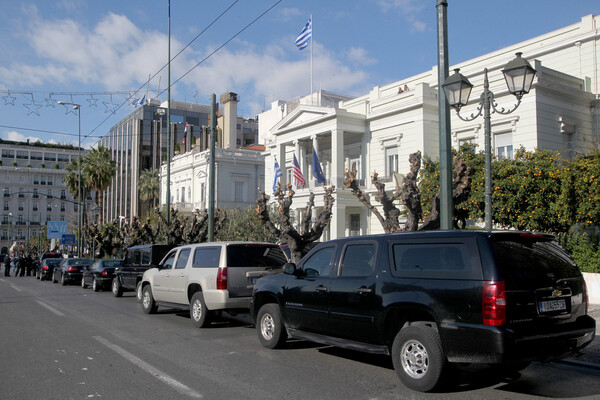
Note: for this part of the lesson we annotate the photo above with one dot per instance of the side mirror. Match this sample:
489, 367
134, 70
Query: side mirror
289, 268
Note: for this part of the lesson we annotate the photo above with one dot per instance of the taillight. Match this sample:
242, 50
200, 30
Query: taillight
222, 279
587, 303
104, 273
494, 303
45, 268
73, 269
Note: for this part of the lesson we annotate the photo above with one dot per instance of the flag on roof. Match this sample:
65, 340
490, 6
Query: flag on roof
317, 170
305, 35
297, 173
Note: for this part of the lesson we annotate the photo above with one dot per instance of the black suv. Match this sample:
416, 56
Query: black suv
430, 298
138, 259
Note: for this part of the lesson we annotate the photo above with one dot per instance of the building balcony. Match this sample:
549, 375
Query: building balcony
6, 194
21, 195
184, 207
20, 223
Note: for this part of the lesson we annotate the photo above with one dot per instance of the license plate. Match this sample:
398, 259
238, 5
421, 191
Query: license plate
553, 305
253, 281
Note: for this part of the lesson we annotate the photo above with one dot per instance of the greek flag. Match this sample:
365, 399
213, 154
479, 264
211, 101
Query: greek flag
139, 102
305, 35
278, 175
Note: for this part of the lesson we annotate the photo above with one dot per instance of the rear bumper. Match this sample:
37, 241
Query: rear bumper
104, 282
482, 344
73, 276
220, 300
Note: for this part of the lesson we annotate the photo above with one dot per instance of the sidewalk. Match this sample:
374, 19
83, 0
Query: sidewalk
591, 354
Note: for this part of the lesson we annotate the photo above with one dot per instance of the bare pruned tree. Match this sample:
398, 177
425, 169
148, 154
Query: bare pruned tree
286, 232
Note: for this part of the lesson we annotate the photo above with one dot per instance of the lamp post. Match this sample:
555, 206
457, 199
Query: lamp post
79, 238
519, 75
95, 211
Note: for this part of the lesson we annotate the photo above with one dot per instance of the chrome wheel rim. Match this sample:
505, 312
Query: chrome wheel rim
114, 287
415, 360
197, 310
267, 327
139, 292
146, 300
94, 284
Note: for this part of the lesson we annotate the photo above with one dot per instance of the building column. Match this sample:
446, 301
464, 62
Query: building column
337, 157
338, 221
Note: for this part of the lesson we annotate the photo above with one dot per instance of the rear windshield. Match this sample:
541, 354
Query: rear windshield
112, 263
255, 256
531, 261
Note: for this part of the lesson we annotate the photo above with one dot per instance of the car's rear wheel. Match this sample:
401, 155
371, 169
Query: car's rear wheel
63, 281
83, 285
95, 286
54, 280
271, 331
117, 289
199, 311
148, 304
418, 357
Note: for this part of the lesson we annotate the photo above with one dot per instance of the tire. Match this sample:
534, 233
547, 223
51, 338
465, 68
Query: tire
117, 289
138, 292
270, 328
54, 280
148, 304
198, 311
63, 281
95, 286
83, 285
418, 357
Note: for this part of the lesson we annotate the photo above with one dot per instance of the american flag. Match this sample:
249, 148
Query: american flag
298, 177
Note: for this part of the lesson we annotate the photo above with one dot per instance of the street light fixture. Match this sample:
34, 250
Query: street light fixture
79, 202
519, 75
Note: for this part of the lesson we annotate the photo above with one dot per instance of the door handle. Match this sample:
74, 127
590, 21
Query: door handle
321, 288
182, 275
364, 290
167, 275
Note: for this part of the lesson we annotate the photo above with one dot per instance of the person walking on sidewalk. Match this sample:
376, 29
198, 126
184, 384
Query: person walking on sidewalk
7, 265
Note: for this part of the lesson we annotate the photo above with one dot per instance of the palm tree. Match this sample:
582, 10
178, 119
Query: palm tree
99, 169
149, 187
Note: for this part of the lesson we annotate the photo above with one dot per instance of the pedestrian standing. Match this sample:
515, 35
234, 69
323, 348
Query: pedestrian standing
7, 265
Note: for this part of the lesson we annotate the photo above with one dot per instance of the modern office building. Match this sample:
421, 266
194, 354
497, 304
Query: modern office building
33, 190
379, 130
139, 142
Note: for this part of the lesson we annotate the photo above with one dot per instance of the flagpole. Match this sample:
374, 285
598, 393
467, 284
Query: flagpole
312, 39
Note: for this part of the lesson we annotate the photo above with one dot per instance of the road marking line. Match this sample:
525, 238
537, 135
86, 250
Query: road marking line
16, 288
158, 374
49, 307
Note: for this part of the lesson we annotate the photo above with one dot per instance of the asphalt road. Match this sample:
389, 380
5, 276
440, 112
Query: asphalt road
69, 343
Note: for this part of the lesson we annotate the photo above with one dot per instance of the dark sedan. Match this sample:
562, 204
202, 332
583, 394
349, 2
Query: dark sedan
47, 268
100, 274
70, 270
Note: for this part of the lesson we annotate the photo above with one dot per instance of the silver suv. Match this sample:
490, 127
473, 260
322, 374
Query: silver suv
208, 277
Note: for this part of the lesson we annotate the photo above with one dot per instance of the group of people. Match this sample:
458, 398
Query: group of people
21, 265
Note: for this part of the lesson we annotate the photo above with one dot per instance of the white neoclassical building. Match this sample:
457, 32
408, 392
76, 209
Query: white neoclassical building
378, 131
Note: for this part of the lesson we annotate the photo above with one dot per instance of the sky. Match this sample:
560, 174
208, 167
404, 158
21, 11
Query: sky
106, 54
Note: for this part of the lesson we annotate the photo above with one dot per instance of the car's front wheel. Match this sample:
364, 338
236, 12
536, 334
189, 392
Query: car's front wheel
418, 357
117, 289
148, 304
138, 292
271, 331
83, 285
198, 311
95, 286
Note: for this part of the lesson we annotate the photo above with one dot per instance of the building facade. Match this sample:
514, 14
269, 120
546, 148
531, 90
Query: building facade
378, 131
139, 142
33, 190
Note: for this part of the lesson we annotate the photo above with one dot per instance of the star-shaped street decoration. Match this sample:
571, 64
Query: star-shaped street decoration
93, 101
33, 107
8, 99
50, 102
69, 108
110, 106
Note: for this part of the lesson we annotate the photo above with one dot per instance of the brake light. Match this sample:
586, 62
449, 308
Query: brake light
494, 303
73, 269
45, 268
222, 279
104, 273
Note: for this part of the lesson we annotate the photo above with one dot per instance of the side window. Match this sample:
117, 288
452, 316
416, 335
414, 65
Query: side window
319, 263
145, 258
135, 257
168, 261
429, 257
182, 259
359, 260
206, 257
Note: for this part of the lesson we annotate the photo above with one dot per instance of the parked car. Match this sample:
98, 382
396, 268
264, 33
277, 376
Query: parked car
432, 298
100, 274
138, 259
47, 268
208, 277
70, 270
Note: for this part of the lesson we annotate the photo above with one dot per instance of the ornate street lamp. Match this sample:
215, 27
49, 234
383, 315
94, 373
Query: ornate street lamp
519, 75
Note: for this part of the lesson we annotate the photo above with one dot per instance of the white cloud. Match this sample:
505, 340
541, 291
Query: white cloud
19, 137
287, 13
406, 8
358, 55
